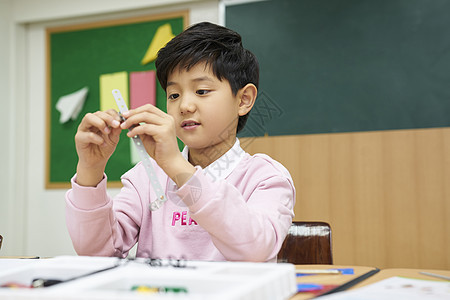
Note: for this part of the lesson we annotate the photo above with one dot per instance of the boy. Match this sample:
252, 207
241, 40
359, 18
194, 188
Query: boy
223, 203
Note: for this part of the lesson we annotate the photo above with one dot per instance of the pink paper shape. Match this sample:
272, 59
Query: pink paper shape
142, 88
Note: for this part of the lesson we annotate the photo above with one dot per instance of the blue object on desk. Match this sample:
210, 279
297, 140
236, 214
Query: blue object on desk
346, 271
343, 271
307, 287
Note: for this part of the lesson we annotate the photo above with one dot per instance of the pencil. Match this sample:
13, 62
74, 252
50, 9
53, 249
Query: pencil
321, 272
435, 275
351, 283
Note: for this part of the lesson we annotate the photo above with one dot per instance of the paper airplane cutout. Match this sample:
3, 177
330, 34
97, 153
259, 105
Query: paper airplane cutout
162, 36
70, 105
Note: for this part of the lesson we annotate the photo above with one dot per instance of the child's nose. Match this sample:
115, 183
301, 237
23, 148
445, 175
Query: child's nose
187, 104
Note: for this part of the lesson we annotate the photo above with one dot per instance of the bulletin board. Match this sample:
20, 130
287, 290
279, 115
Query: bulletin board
76, 57
349, 65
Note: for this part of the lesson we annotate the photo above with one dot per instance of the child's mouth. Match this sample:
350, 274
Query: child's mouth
189, 124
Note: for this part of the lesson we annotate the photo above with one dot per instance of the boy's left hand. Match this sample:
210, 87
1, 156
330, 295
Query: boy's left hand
156, 130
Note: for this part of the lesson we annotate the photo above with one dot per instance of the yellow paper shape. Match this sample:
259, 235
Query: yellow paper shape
111, 81
162, 36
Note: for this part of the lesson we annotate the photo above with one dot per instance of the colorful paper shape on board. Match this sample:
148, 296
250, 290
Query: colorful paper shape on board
142, 88
162, 36
111, 81
70, 105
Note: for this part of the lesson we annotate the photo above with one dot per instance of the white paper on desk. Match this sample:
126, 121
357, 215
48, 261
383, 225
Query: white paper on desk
70, 105
397, 288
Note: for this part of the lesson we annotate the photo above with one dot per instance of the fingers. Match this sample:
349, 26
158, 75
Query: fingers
147, 129
102, 121
96, 127
149, 121
144, 108
147, 114
87, 137
104, 127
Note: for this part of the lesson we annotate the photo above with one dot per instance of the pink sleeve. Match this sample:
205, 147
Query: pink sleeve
249, 226
94, 227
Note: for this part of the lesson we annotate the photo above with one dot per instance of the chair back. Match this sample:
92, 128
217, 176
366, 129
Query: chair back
307, 243
1, 241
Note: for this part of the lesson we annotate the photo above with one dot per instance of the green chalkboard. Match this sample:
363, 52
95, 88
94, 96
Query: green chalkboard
348, 65
77, 56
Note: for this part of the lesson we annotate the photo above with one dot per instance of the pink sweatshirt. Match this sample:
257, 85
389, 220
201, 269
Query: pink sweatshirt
239, 208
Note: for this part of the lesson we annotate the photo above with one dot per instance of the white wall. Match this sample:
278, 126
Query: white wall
6, 209
32, 219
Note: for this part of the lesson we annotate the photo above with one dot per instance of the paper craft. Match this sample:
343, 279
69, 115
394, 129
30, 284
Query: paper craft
70, 105
162, 36
106, 278
111, 81
142, 88
397, 288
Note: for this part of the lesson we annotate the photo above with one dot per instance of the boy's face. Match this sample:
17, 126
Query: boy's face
204, 108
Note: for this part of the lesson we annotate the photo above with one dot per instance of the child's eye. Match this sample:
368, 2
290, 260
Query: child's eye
202, 92
173, 96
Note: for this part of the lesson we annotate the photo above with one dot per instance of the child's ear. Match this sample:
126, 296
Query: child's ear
247, 97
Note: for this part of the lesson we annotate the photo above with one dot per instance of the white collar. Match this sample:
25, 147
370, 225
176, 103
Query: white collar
224, 165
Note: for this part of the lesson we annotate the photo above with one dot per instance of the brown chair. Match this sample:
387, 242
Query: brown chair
307, 243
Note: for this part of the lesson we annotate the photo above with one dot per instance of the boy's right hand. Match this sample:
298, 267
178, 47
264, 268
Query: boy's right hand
96, 139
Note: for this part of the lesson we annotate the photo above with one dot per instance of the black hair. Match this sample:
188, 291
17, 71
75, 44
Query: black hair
217, 46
